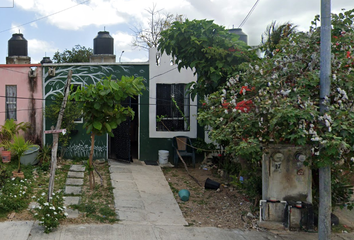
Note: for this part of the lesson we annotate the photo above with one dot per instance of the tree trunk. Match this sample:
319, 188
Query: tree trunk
91, 176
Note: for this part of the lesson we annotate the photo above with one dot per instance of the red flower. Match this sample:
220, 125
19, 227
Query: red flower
232, 50
219, 155
204, 103
225, 104
244, 106
246, 89
348, 55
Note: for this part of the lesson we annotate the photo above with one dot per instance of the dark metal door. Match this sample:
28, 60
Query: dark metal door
120, 143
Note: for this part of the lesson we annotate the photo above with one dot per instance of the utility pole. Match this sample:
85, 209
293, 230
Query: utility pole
324, 216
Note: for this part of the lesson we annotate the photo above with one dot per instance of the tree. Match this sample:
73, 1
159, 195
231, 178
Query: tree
278, 102
208, 49
76, 55
274, 34
102, 107
149, 37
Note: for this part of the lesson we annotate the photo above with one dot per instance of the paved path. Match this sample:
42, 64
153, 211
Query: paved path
143, 196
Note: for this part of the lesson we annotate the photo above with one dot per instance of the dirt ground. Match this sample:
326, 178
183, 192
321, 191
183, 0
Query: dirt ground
223, 208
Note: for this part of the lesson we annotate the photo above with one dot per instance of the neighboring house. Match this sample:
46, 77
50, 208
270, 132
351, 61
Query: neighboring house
21, 88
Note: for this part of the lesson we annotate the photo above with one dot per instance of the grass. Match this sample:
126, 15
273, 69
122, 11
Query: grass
98, 204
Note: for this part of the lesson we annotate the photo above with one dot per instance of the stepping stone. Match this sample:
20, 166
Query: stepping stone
71, 201
76, 174
72, 213
74, 181
72, 190
77, 168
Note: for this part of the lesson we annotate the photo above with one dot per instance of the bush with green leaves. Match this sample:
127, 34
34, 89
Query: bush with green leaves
49, 214
15, 195
276, 100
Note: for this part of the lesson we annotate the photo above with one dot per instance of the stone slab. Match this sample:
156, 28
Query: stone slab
71, 200
72, 190
75, 181
77, 168
72, 174
72, 213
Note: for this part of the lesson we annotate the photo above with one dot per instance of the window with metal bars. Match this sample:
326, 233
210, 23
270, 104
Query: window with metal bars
11, 102
172, 107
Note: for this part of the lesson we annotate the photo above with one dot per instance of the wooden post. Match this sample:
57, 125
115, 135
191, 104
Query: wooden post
56, 137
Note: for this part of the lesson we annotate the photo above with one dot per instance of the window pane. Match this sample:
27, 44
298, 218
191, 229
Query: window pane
172, 107
11, 102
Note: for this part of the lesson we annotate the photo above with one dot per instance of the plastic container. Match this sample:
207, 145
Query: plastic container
163, 157
30, 156
184, 195
210, 184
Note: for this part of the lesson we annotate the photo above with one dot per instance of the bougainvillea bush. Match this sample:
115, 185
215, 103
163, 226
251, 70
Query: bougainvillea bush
276, 100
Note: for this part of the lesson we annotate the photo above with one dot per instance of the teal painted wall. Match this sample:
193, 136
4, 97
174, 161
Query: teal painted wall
86, 73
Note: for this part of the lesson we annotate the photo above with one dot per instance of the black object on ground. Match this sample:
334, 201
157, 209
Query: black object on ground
210, 184
153, 163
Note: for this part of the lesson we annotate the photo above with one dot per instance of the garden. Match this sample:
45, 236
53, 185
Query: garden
24, 185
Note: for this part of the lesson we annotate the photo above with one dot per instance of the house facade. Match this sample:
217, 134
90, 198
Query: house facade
21, 89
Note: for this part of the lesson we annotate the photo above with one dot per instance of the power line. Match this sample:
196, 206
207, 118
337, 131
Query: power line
249, 14
41, 18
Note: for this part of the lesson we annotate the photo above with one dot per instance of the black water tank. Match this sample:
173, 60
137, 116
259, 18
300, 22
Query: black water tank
238, 31
17, 45
103, 43
46, 60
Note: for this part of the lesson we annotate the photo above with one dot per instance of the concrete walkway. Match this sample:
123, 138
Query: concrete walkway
148, 210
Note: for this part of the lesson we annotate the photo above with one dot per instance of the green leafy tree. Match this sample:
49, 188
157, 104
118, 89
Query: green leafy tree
278, 102
77, 54
208, 49
102, 107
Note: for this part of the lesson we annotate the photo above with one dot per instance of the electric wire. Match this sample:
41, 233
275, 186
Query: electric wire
249, 14
41, 18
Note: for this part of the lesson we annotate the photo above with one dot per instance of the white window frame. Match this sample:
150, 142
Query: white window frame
167, 74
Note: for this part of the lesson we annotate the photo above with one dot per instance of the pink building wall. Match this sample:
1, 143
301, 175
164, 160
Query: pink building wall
29, 96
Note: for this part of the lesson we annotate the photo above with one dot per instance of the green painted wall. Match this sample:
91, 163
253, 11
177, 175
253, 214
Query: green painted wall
86, 73
149, 147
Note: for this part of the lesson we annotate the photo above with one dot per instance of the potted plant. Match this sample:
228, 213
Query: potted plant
19, 145
7, 132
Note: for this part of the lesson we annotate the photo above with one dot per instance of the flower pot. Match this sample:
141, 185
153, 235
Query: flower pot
18, 174
6, 156
29, 157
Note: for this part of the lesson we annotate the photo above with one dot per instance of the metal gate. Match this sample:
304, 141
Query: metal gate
120, 143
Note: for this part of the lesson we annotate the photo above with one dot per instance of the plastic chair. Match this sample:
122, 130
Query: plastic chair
183, 145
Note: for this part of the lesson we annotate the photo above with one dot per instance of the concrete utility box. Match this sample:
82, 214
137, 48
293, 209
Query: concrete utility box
285, 178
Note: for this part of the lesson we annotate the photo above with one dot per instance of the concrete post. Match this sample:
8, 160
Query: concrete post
324, 217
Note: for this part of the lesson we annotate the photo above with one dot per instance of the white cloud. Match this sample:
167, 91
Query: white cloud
16, 29
36, 46
122, 42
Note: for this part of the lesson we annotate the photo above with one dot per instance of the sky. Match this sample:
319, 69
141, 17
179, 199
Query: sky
56, 25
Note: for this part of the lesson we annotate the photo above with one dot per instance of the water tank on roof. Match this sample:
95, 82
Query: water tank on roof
103, 43
17, 45
238, 31
46, 60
